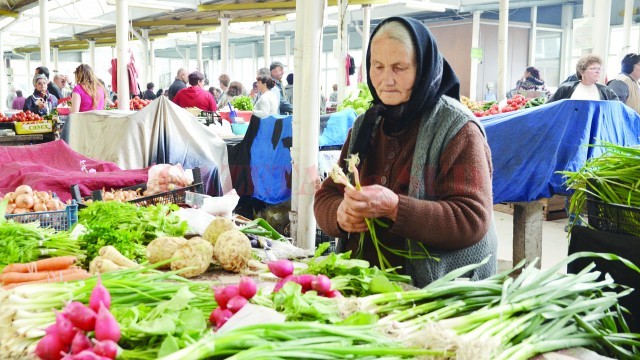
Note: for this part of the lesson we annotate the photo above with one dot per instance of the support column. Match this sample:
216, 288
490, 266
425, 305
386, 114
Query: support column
3, 76
533, 36
475, 43
602, 11
224, 46
626, 28
200, 65
342, 49
567, 46
44, 32
92, 54
503, 31
366, 33
143, 37
30, 71
308, 44
56, 65
527, 231
152, 63
267, 43
287, 51
232, 55
122, 45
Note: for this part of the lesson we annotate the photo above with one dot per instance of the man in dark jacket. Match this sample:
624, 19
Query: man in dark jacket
277, 70
625, 84
149, 94
179, 83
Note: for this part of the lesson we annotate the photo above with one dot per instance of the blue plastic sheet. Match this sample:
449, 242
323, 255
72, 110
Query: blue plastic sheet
271, 160
337, 127
529, 147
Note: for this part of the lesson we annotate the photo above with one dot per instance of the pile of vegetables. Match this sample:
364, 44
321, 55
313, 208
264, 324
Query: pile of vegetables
126, 227
360, 100
55, 269
611, 178
120, 195
24, 200
242, 103
231, 299
488, 108
84, 332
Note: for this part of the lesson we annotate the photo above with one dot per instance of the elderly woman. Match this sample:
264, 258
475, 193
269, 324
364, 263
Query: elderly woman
267, 103
40, 102
425, 166
89, 93
588, 70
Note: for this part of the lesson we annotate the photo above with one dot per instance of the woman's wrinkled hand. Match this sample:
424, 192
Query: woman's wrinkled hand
372, 201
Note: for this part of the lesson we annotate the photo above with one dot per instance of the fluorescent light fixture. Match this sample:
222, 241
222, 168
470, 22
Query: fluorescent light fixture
424, 5
155, 5
80, 22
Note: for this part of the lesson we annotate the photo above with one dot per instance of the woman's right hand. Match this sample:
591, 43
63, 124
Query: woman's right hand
348, 218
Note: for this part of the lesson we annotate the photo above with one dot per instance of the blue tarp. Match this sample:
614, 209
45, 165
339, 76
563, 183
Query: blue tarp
337, 127
271, 160
529, 147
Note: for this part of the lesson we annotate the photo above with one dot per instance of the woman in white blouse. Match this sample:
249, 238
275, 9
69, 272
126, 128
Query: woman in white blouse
268, 103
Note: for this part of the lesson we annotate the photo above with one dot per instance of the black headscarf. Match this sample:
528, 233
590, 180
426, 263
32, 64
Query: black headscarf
434, 78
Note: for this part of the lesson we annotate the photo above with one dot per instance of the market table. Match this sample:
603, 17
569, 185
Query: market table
160, 133
529, 147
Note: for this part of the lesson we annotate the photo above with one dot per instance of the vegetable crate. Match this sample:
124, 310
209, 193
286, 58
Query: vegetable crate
211, 117
40, 127
60, 220
614, 218
176, 196
321, 237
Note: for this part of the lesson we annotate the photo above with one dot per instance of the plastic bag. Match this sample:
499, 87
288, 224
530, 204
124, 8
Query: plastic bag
166, 177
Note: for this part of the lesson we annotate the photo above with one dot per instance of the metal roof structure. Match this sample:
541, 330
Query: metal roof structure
73, 23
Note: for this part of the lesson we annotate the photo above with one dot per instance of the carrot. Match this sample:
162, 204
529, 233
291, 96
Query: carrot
18, 277
80, 275
54, 263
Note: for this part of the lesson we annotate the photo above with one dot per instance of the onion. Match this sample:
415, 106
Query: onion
11, 208
18, 210
24, 189
10, 196
107, 196
39, 207
44, 195
24, 201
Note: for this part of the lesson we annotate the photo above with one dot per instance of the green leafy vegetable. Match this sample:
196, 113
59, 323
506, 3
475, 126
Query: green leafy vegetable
243, 103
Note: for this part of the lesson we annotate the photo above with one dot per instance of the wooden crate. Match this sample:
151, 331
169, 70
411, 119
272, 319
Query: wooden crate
552, 208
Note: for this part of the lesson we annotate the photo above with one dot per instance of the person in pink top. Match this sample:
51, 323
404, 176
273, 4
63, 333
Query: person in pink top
88, 94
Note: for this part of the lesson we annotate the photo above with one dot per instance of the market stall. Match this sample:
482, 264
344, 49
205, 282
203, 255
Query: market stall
162, 132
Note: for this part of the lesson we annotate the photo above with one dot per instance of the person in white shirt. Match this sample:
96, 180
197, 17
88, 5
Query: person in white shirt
268, 103
588, 70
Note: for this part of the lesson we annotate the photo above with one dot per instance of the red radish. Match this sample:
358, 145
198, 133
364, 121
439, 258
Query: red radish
80, 342
81, 316
236, 303
283, 281
107, 327
66, 332
99, 294
333, 294
220, 316
87, 354
221, 298
305, 281
106, 348
281, 268
231, 291
50, 348
321, 284
247, 287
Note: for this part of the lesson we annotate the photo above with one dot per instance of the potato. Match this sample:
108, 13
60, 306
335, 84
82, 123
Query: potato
217, 227
232, 250
163, 248
196, 254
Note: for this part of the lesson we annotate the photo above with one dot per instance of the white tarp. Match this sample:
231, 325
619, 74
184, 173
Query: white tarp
162, 132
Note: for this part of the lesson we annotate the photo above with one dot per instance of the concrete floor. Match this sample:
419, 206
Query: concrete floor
554, 240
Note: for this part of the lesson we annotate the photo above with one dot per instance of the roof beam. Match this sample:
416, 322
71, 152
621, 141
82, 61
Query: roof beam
172, 22
286, 5
182, 30
9, 13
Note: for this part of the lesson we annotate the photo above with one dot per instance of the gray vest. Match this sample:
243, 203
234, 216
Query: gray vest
437, 129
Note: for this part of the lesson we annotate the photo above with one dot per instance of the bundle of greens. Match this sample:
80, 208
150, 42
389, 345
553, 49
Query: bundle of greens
23, 243
127, 227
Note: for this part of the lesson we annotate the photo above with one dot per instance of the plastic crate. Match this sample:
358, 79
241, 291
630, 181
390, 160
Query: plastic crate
614, 218
60, 220
211, 117
321, 237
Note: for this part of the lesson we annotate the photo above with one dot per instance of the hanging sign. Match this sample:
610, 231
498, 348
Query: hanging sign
477, 53
583, 31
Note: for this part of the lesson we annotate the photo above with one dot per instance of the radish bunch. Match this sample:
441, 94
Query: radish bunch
69, 337
231, 299
320, 283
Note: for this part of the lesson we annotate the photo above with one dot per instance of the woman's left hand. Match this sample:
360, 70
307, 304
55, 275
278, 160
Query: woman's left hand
373, 201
